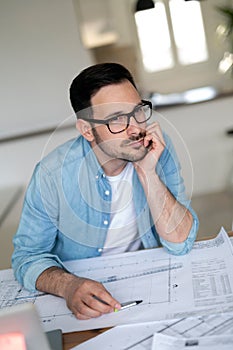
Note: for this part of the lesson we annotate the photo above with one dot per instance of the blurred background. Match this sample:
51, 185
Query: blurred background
181, 55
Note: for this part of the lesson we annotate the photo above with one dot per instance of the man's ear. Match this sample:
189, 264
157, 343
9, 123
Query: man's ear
85, 129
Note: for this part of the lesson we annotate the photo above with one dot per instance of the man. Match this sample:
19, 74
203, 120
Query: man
115, 188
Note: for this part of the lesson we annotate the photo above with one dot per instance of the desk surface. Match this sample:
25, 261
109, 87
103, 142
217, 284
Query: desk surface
75, 338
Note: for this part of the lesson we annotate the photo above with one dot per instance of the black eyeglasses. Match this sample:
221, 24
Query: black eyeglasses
120, 122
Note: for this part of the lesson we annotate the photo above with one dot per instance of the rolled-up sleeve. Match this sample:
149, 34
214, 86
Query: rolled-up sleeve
37, 231
186, 246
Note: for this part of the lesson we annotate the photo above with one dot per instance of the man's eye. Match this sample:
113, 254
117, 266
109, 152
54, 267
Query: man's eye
139, 109
118, 119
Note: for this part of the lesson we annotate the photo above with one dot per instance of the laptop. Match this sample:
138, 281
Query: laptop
23, 319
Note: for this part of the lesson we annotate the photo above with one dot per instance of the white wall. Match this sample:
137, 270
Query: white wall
203, 128
41, 52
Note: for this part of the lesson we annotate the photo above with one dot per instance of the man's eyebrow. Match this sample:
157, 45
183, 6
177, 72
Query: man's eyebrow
115, 114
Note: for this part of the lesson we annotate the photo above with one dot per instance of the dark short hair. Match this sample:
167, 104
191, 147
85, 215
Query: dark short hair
92, 79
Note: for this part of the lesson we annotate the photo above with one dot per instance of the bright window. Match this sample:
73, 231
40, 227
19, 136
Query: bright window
155, 33
154, 38
188, 31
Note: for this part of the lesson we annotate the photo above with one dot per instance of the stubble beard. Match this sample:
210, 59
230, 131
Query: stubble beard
129, 155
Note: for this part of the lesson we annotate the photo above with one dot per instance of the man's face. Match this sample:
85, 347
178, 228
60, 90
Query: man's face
108, 102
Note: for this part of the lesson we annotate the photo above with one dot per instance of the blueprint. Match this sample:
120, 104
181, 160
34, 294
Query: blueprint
171, 287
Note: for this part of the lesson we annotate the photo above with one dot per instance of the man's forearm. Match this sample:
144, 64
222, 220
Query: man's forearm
55, 281
172, 220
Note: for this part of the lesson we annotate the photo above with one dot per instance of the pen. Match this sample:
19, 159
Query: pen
102, 301
128, 304
123, 305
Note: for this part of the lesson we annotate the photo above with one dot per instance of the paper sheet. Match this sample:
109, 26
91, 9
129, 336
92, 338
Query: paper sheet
200, 282
140, 336
164, 342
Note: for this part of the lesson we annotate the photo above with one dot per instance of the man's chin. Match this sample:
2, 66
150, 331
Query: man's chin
134, 157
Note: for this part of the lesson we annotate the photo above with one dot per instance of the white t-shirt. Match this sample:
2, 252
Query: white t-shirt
122, 235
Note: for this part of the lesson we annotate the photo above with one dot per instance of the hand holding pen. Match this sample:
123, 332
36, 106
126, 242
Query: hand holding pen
87, 298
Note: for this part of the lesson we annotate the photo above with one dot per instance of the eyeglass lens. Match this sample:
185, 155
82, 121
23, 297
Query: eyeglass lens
141, 114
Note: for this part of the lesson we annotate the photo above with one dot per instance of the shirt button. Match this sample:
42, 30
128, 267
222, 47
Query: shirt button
105, 222
107, 192
97, 176
104, 175
100, 250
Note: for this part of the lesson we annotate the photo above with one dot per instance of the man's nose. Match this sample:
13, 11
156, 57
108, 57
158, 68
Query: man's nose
134, 127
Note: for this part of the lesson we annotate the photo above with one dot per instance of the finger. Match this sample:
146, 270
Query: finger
148, 141
155, 134
82, 317
153, 125
155, 128
98, 305
105, 299
83, 311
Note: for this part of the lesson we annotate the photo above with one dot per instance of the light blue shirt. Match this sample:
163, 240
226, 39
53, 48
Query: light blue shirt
67, 207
